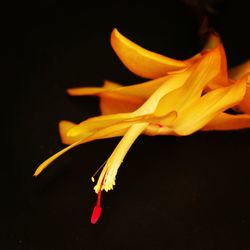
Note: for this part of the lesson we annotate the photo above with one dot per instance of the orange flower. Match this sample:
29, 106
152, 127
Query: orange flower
181, 98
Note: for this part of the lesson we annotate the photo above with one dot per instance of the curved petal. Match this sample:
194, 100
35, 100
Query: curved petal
113, 131
46, 163
140, 61
224, 121
209, 106
64, 127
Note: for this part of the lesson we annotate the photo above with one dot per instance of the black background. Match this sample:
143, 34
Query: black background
172, 192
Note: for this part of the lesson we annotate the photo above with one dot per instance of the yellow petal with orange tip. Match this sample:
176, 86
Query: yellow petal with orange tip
112, 131
221, 79
208, 107
214, 41
143, 62
224, 121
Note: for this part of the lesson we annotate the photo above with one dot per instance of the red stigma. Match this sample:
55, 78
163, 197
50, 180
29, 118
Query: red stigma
97, 209
96, 214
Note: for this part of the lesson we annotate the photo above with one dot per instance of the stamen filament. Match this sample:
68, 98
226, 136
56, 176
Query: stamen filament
98, 170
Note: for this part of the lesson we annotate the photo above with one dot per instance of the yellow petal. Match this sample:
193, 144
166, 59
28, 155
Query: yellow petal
85, 91
200, 74
141, 90
81, 91
222, 78
99, 122
64, 127
225, 121
172, 83
208, 107
112, 131
140, 61
45, 164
